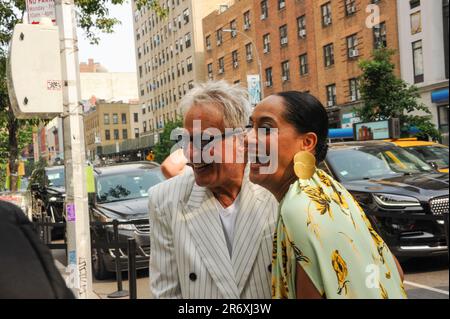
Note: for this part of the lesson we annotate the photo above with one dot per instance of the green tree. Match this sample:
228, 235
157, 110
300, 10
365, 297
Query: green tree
93, 17
165, 144
386, 96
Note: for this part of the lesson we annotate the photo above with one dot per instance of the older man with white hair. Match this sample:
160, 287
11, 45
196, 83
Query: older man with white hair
211, 228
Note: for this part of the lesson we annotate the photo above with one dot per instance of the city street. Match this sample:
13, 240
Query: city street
425, 278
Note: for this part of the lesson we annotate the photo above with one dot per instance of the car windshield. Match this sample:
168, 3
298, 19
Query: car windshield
55, 177
432, 153
374, 162
127, 185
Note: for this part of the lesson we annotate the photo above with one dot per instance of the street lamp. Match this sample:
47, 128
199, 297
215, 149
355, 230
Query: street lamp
257, 56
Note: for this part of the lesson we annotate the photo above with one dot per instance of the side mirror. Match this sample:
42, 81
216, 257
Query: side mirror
35, 187
434, 165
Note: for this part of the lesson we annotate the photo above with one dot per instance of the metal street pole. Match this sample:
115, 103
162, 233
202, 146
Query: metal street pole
257, 57
76, 206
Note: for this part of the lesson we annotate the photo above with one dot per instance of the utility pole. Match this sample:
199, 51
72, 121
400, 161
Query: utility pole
76, 205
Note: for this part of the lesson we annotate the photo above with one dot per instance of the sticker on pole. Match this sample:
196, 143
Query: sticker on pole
70, 210
38, 9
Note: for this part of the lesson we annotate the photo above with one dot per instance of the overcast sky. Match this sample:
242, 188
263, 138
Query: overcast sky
115, 51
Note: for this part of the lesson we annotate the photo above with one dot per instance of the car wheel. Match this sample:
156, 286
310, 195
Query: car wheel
98, 265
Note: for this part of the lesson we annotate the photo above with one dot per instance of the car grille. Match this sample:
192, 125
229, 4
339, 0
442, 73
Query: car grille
146, 250
439, 205
143, 228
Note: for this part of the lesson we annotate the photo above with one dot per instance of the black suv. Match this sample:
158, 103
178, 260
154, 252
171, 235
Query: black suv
122, 194
47, 196
403, 196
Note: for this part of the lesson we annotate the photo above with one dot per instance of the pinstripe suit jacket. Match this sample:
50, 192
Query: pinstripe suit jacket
189, 256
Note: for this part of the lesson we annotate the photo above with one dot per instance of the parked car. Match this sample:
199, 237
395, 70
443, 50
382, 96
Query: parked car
122, 194
392, 184
48, 193
433, 153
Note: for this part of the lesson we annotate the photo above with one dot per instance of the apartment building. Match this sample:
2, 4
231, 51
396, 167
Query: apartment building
110, 124
306, 45
423, 34
170, 57
230, 43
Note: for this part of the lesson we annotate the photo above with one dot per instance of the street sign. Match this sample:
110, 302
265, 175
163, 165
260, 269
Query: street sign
38, 9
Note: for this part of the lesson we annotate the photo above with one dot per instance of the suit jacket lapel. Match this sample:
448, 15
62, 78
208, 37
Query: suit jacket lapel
203, 222
250, 222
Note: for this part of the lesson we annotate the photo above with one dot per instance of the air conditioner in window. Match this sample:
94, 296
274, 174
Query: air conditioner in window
263, 17
221, 71
330, 103
268, 84
351, 9
353, 98
282, 5
208, 47
327, 20
235, 64
246, 26
233, 33
249, 57
266, 50
353, 53
219, 42
284, 78
302, 33
284, 41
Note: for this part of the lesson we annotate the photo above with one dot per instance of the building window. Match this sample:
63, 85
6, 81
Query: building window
416, 23
414, 3
234, 56
379, 36
208, 42
281, 4
266, 43
187, 40
326, 14
221, 65
301, 26
136, 133
136, 117
283, 35
144, 125
353, 85
219, 37
190, 85
106, 119
125, 134
350, 7
107, 135
247, 23
303, 64
264, 10
124, 118
417, 61
233, 28
269, 79
249, 52
331, 95
186, 16
285, 74
328, 53
189, 64
210, 71
352, 46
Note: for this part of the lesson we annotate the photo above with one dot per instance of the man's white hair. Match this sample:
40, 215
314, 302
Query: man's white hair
232, 100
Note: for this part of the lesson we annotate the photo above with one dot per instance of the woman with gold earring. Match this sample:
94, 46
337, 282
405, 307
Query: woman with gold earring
324, 245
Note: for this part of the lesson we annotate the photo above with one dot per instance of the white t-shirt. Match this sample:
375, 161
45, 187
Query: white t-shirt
228, 219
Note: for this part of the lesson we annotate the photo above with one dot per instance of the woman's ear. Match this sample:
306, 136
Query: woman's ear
309, 142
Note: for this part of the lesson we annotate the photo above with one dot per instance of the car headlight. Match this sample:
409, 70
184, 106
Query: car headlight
52, 199
396, 201
126, 227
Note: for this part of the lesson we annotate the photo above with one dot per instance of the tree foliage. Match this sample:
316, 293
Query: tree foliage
386, 96
165, 144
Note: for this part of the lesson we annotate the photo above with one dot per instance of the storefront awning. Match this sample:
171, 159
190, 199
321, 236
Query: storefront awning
439, 96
